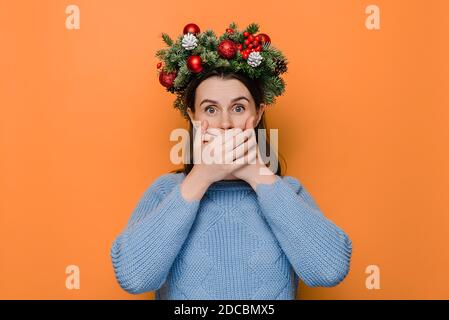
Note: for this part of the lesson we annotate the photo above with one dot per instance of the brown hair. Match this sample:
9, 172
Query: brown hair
253, 87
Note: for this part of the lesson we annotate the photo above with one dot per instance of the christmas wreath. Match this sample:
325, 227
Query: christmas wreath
194, 53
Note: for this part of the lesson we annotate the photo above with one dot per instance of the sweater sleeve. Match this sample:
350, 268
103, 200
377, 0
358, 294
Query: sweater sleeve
318, 250
143, 253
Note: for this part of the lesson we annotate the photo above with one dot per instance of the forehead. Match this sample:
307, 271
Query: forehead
219, 89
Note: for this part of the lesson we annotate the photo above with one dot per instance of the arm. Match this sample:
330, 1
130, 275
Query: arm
318, 250
144, 252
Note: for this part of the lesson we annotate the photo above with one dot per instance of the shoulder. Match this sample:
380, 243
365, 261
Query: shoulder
163, 184
301, 190
293, 183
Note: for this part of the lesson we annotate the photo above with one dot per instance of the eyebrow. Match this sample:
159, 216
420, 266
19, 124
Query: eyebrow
233, 100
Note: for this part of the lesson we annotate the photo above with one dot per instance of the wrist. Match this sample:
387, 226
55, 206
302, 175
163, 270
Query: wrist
194, 186
261, 175
200, 178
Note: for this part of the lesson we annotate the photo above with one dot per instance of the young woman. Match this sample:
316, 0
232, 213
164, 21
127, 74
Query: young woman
233, 230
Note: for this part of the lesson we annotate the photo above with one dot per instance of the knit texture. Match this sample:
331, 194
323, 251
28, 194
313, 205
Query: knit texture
234, 243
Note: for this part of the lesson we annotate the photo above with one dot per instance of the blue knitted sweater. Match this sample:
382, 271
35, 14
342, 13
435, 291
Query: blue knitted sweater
234, 243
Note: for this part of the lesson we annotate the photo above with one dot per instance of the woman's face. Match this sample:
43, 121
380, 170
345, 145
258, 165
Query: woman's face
225, 104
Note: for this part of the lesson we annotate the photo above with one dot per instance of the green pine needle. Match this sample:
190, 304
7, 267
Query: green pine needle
167, 39
233, 26
253, 28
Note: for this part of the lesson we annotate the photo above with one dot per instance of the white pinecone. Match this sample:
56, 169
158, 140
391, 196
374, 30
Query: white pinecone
189, 41
254, 59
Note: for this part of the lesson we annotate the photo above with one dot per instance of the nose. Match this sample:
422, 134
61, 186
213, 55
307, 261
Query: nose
226, 122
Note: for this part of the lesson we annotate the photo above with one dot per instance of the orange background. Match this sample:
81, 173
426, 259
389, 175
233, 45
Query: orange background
85, 129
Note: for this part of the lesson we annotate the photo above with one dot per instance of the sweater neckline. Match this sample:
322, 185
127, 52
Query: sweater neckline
237, 184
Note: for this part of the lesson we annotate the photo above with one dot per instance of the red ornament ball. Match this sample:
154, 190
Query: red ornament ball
227, 49
191, 28
167, 78
229, 30
194, 64
264, 38
159, 65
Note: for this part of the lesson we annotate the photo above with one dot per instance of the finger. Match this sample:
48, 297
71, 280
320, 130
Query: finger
249, 124
248, 158
251, 132
215, 131
237, 140
227, 138
260, 159
204, 125
199, 128
207, 137
228, 134
224, 143
252, 155
240, 150
210, 133
243, 148
197, 133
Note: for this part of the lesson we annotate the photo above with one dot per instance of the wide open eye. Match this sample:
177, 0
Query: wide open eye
210, 110
239, 108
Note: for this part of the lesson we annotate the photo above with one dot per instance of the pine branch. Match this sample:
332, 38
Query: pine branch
182, 77
209, 57
209, 33
223, 63
253, 28
161, 54
274, 85
167, 39
268, 62
237, 37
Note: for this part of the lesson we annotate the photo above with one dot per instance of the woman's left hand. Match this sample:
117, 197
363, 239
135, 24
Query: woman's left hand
255, 171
